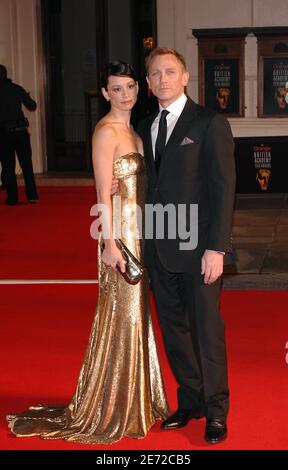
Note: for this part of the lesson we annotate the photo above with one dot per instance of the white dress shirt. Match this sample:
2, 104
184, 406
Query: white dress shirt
175, 109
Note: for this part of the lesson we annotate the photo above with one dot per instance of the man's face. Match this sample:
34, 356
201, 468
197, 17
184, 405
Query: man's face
167, 78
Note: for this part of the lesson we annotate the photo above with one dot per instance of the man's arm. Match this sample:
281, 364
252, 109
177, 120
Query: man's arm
26, 99
221, 176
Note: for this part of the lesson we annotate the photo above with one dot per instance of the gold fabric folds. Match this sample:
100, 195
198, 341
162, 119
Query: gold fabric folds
120, 390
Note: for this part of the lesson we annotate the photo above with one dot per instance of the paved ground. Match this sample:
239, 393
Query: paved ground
260, 237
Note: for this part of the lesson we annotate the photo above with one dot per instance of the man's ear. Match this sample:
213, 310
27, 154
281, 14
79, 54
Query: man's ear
148, 81
185, 78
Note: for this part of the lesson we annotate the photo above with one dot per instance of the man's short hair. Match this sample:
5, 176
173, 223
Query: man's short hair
3, 72
164, 51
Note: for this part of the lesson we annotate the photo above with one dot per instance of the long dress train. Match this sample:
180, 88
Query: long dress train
120, 390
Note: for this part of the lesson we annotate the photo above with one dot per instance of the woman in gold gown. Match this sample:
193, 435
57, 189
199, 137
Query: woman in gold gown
120, 390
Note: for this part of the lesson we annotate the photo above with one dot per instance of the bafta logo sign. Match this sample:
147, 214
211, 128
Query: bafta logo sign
262, 178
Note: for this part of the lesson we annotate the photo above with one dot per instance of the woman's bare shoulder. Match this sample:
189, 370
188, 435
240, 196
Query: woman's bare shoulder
105, 125
104, 128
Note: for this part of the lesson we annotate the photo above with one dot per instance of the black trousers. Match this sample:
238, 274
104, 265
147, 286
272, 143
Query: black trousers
193, 332
17, 142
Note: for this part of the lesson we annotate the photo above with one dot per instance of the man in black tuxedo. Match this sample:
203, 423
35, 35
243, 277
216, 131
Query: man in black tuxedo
189, 152
15, 138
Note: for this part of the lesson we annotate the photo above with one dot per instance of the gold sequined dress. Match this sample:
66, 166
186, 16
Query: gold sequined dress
120, 390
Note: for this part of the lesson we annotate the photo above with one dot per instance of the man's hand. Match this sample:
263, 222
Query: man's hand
211, 266
114, 187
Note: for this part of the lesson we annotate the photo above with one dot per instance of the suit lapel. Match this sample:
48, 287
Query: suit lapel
180, 130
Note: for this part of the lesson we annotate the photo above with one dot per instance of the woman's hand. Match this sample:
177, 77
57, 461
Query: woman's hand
112, 256
114, 186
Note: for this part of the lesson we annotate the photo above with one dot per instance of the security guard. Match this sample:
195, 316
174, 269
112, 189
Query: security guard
14, 137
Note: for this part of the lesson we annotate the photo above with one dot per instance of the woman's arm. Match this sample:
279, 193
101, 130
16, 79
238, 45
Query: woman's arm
103, 150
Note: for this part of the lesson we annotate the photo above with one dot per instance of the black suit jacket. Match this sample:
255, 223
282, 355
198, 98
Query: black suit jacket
12, 97
199, 171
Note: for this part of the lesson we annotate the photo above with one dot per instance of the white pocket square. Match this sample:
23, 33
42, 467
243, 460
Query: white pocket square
187, 141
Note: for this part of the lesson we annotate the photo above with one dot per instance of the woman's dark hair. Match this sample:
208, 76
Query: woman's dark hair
117, 69
3, 72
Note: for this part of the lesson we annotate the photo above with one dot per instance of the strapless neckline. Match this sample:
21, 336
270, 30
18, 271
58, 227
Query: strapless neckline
127, 155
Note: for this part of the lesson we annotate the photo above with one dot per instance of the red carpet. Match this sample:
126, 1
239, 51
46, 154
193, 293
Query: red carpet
44, 330
51, 239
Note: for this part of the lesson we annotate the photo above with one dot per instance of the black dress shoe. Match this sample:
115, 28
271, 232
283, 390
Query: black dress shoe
216, 431
180, 418
11, 202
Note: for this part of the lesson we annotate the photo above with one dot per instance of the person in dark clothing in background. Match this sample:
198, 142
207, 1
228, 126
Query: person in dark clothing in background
14, 137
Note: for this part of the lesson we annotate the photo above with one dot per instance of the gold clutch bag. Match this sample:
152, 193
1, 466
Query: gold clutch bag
134, 269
